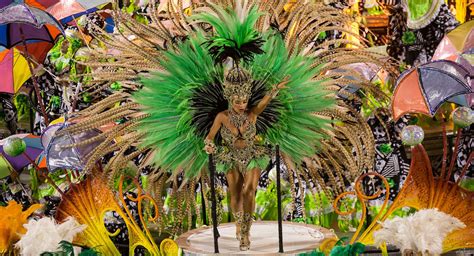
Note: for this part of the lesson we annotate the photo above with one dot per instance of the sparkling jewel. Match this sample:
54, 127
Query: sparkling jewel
463, 116
14, 146
412, 135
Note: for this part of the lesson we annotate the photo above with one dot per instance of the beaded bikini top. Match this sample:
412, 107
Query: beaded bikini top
239, 122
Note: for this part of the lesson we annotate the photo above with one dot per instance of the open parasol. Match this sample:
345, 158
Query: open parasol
14, 71
22, 24
424, 88
456, 42
66, 10
458, 46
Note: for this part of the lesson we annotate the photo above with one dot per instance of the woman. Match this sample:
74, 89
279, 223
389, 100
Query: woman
239, 152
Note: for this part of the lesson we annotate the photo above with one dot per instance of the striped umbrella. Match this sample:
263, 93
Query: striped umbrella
22, 24
14, 70
425, 88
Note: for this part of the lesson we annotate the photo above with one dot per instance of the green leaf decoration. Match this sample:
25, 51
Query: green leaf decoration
386, 148
88, 252
66, 249
338, 250
315, 252
408, 38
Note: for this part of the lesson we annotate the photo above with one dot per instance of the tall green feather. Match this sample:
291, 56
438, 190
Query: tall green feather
297, 130
233, 38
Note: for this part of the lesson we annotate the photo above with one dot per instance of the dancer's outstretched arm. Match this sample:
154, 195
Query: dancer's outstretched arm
263, 103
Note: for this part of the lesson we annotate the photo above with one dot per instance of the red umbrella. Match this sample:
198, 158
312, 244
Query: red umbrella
424, 88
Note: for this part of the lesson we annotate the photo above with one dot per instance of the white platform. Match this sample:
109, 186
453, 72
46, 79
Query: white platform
297, 238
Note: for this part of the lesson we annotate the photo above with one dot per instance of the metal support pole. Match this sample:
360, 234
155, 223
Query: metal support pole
280, 224
33, 78
203, 204
214, 204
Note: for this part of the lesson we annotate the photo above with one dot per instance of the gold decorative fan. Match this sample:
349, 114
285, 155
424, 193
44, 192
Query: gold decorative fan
424, 191
88, 202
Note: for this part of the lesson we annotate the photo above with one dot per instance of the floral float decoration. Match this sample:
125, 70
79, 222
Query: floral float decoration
89, 201
12, 218
423, 191
34, 240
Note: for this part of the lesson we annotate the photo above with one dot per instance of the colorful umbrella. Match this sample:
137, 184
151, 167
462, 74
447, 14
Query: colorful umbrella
14, 70
424, 88
58, 156
37, 49
21, 23
456, 42
66, 10
5, 168
33, 149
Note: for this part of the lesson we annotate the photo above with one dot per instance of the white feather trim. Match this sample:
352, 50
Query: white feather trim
422, 232
44, 235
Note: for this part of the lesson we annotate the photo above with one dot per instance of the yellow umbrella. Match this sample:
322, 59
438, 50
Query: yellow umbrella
14, 70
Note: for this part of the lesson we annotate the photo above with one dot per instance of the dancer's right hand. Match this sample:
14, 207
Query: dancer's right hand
209, 149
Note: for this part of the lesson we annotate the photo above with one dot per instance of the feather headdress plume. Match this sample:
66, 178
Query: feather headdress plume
234, 36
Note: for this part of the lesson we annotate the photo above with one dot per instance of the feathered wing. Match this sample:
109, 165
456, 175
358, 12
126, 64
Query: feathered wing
167, 97
289, 120
183, 100
141, 49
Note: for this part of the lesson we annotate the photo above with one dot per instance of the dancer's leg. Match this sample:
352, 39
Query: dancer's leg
235, 181
249, 189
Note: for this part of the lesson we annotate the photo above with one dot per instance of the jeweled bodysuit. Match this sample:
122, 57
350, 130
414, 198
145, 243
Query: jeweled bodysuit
237, 155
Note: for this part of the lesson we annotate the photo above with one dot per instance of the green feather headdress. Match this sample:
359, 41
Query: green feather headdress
234, 37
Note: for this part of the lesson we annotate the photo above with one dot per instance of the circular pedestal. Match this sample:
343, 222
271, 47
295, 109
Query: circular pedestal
297, 238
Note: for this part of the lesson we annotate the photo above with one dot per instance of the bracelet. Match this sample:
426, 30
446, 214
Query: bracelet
210, 143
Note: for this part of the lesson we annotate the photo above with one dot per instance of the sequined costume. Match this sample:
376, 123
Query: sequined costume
252, 155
